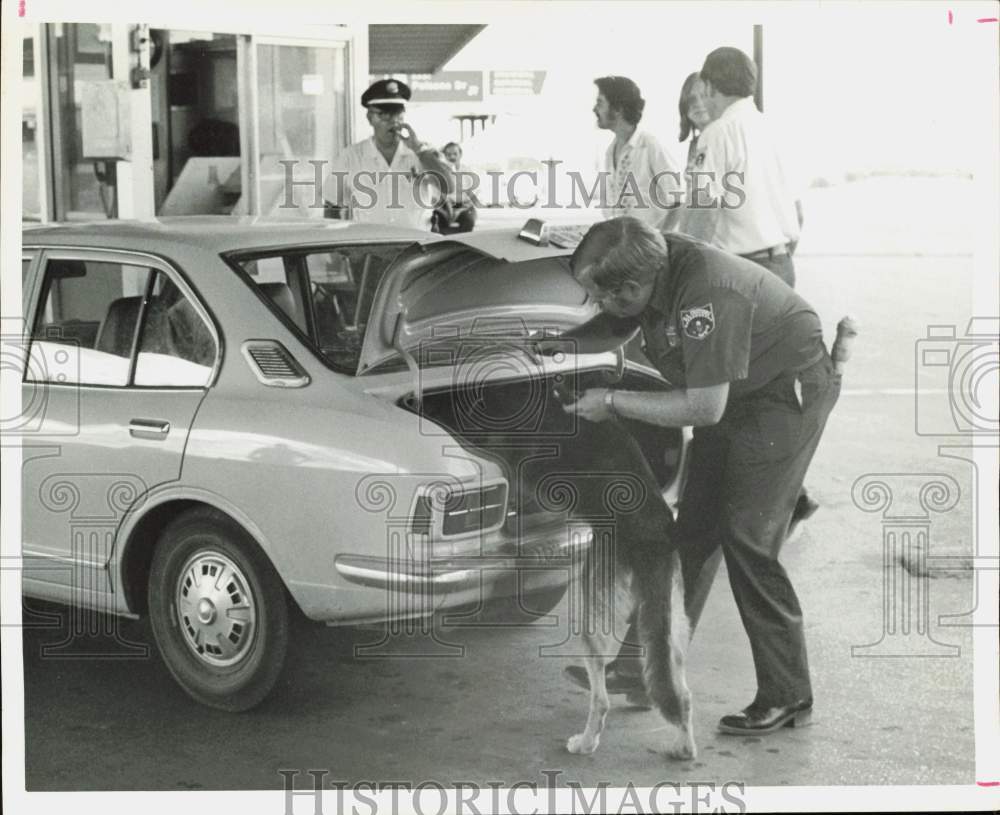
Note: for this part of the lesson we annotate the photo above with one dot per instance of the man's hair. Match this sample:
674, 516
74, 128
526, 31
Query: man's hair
684, 103
452, 144
623, 95
730, 71
620, 249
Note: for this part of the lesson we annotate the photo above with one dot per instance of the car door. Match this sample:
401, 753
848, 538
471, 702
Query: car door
120, 355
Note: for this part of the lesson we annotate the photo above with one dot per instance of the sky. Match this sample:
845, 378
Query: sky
850, 88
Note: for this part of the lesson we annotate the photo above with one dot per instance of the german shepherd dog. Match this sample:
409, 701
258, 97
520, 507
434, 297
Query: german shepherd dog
599, 474
632, 568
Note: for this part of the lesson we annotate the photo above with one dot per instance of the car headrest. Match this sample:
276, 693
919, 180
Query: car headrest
115, 334
60, 268
281, 295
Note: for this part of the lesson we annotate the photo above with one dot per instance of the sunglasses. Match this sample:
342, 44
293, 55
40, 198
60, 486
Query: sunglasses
383, 113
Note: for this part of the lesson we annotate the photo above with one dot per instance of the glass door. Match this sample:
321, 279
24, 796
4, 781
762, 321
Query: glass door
302, 113
34, 204
196, 112
83, 188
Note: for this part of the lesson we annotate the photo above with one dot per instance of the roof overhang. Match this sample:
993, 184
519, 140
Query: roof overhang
415, 49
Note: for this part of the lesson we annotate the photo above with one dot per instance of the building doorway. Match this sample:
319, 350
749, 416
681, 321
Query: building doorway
194, 93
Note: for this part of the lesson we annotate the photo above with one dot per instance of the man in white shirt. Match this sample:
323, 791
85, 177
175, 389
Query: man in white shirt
645, 182
391, 177
741, 199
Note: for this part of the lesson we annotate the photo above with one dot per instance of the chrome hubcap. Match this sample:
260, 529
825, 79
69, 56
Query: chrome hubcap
206, 611
215, 609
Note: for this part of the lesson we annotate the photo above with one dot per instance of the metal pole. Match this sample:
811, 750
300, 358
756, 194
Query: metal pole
758, 58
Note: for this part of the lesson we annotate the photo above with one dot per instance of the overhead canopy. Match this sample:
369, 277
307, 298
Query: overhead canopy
415, 49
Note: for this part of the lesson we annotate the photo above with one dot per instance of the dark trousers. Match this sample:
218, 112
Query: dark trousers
784, 267
744, 477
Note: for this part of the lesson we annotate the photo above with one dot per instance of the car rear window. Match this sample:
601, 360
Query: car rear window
325, 293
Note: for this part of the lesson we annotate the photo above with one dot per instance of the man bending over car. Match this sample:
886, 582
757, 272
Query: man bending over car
745, 356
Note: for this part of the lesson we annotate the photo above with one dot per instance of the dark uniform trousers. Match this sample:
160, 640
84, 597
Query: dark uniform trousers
744, 477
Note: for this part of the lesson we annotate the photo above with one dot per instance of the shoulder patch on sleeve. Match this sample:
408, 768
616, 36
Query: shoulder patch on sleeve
698, 322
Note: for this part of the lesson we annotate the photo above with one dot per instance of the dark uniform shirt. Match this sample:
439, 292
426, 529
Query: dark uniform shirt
714, 318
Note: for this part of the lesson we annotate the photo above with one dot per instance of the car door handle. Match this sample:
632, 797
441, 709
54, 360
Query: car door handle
153, 429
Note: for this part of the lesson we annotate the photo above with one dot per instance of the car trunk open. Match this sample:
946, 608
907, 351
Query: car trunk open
446, 305
519, 422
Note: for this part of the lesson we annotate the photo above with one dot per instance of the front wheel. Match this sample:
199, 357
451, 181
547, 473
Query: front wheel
218, 611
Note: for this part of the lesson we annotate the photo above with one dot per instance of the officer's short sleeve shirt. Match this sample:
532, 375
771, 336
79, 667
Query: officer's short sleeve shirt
714, 318
400, 194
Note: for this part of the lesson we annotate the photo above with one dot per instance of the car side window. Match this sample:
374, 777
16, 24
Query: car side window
176, 348
26, 280
274, 276
327, 293
93, 316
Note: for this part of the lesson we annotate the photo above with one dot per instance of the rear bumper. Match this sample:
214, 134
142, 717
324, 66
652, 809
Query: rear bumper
540, 559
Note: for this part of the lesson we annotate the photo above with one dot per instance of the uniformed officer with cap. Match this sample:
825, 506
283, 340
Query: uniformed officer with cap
745, 355
391, 177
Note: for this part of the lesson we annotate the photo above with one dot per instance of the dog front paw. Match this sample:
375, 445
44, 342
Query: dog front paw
582, 744
683, 749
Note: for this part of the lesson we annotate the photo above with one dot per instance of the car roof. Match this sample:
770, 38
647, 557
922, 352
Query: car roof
215, 233
226, 233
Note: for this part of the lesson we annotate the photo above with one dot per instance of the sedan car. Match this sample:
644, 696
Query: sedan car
226, 422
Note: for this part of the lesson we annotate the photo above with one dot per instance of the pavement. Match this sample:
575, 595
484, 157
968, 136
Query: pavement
492, 705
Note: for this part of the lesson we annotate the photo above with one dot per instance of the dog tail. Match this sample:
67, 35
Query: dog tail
664, 633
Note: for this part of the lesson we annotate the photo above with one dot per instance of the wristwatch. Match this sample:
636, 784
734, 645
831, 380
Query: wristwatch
609, 401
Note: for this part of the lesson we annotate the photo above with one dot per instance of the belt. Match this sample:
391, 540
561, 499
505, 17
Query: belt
771, 252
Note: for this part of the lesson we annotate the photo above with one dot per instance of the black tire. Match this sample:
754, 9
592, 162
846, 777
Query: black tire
224, 644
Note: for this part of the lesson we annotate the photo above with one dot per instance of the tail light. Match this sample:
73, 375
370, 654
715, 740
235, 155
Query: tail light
462, 513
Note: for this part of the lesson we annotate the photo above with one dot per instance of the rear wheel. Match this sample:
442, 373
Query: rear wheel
218, 611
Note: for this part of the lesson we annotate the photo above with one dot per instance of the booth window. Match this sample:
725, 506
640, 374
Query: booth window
83, 188
31, 207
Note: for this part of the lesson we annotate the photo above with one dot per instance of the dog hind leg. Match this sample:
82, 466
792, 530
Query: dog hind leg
604, 603
664, 634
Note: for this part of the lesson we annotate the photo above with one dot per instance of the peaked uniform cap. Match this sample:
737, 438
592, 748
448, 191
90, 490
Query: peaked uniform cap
386, 92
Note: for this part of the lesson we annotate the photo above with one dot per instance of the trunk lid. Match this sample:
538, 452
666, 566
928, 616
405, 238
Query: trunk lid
446, 301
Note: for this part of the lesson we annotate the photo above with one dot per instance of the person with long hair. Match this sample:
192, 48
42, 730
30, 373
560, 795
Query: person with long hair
694, 114
756, 218
694, 117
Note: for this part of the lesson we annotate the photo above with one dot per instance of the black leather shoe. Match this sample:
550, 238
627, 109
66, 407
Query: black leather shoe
755, 721
616, 683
